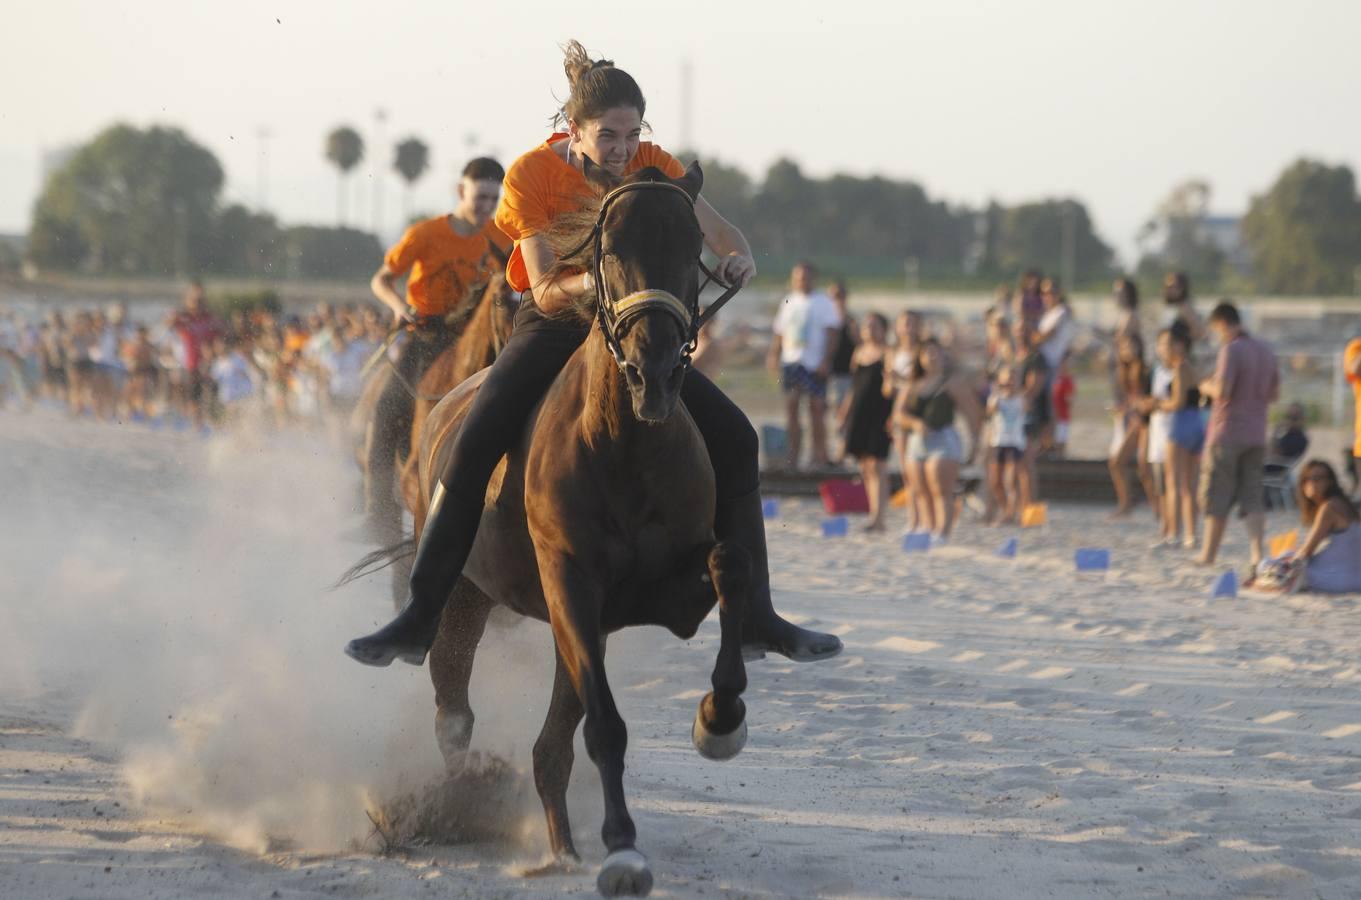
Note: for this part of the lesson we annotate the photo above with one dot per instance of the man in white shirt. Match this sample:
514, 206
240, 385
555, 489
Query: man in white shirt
806, 330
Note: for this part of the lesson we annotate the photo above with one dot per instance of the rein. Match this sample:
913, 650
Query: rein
458, 321
614, 316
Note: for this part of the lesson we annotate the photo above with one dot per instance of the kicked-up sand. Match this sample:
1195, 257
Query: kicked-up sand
176, 718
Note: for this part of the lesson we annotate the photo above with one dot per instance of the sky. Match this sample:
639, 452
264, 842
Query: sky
1111, 102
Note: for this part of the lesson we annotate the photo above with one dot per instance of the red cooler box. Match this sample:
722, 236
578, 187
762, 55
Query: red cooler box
841, 496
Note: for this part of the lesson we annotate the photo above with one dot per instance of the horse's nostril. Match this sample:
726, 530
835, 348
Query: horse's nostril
633, 374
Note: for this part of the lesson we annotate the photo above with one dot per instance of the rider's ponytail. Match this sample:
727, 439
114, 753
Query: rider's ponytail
595, 87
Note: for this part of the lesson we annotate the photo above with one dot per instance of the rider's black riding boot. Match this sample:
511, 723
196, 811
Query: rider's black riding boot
742, 521
450, 528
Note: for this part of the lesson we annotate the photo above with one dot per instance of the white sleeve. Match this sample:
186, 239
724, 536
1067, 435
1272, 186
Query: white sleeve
778, 326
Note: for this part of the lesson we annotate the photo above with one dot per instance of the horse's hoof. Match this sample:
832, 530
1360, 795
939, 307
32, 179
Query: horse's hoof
718, 747
454, 733
624, 873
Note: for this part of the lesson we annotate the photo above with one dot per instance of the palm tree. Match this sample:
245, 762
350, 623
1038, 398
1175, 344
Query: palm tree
344, 148
411, 161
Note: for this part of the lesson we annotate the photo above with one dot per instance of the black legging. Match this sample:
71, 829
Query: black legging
536, 352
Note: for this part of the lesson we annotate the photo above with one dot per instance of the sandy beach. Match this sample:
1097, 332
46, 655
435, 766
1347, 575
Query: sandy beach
177, 720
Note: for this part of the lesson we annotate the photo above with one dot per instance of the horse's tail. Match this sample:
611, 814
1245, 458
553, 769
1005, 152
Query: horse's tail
378, 560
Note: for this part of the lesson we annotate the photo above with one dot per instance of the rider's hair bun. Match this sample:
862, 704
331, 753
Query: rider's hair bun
577, 63
596, 86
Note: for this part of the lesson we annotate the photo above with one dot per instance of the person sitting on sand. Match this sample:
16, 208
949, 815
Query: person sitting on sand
1329, 562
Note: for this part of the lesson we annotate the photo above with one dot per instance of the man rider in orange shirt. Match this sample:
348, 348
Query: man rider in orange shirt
442, 259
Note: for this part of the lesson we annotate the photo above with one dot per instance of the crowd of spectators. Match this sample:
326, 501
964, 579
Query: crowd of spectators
1189, 409
191, 369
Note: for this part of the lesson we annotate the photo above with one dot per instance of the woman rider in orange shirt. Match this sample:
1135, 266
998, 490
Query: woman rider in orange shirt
604, 118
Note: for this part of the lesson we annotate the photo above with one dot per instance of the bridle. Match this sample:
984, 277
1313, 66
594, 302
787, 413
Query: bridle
615, 315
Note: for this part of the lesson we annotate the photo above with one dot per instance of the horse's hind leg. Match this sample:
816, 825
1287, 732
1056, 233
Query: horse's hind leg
553, 757
720, 729
451, 668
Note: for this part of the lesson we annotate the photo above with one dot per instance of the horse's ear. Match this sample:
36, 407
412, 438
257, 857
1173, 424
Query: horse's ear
692, 180
598, 176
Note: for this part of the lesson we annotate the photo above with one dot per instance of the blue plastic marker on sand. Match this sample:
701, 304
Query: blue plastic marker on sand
837, 526
1226, 585
917, 541
770, 508
1008, 550
1092, 559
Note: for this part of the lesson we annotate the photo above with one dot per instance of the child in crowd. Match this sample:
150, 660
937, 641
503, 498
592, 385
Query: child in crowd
139, 356
232, 375
1064, 391
1133, 412
1033, 376
1006, 446
1184, 438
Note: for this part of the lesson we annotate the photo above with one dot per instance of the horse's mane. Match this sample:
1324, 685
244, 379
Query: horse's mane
566, 234
570, 229
474, 349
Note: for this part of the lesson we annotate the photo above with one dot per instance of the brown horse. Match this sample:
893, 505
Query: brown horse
483, 323
602, 517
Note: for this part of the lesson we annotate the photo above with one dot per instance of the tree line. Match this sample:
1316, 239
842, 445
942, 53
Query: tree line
149, 201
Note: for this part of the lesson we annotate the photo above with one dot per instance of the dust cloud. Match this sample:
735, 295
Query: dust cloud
168, 597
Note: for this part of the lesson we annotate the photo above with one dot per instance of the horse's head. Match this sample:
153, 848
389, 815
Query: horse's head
647, 280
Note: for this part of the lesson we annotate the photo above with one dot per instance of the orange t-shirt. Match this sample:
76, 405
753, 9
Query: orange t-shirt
541, 185
1348, 360
442, 264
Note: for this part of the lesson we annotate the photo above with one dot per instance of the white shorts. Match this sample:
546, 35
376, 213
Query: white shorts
1157, 437
1061, 430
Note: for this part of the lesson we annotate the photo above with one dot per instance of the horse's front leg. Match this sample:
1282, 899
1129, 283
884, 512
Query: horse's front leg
553, 757
451, 670
720, 729
575, 600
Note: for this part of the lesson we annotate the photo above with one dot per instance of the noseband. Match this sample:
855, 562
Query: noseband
615, 315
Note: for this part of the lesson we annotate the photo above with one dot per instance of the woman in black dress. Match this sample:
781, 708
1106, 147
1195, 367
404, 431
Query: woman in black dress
864, 415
